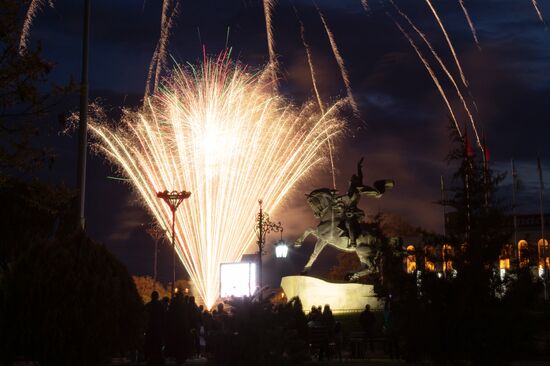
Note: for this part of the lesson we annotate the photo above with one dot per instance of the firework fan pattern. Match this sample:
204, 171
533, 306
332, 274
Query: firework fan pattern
222, 133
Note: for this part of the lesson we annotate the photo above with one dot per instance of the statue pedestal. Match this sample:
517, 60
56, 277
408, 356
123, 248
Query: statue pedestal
342, 297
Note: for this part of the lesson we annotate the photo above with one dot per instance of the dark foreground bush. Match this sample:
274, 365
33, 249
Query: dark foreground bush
68, 302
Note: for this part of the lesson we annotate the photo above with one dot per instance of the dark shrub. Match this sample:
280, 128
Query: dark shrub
68, 302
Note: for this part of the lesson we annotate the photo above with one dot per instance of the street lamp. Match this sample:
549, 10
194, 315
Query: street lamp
173, 199
281, 249
263, 227
157, 234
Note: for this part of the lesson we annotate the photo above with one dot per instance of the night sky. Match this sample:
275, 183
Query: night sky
403, 129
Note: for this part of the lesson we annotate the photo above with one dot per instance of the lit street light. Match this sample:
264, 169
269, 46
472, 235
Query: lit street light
281, 249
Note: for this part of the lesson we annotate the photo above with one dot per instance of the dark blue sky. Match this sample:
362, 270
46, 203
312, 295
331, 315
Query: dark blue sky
406, 132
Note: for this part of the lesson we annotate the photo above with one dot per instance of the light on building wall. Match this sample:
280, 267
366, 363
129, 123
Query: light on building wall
281, 249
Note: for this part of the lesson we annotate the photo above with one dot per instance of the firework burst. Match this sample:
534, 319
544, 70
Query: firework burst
223, 134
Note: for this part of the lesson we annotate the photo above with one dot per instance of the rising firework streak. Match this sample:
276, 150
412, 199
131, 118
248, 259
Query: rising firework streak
448, 39
223, 134
268, 10
537, 9
444, 68
316, 90
34, 6
470, 23
340, 62
432, 75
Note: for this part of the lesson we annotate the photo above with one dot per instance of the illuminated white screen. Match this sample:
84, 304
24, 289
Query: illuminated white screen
237, 279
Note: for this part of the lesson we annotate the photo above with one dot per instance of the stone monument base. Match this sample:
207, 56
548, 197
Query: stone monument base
342, 297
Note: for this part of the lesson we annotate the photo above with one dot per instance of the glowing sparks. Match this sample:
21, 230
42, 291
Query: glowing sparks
470, 22
537, 9
365, 5
448, 39
268, 10
340, 62
34, 7
443, 67
169, 12
223, 134
433, 76
316, 90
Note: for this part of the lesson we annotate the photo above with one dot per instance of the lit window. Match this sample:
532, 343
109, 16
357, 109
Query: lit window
523, 250
411, 259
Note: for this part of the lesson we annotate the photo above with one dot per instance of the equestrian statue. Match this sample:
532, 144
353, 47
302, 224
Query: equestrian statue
342, 222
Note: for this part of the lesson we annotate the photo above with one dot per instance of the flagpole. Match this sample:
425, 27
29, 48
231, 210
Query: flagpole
83, 120
485, 172
514, 214
544, 252
444, 203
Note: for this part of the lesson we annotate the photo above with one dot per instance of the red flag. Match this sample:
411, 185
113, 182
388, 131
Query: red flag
467, 145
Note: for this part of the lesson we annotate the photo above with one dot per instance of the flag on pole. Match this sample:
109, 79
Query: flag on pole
468, 145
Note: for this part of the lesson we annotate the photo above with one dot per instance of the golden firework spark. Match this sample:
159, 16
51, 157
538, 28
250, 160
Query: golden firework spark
470, 22
34, 7
448, 39
225, 135
268, 11
339, 61
432, 75
537, 9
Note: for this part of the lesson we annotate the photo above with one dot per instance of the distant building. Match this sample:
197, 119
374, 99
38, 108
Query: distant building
525, 249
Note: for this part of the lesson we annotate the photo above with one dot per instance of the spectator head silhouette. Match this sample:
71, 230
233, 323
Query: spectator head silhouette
154, 296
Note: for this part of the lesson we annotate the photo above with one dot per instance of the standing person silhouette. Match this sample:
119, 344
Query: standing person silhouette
154, 331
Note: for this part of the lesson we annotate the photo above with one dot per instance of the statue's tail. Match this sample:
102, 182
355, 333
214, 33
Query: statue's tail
382, 185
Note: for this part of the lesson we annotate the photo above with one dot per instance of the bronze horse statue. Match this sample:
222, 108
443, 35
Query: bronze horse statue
341, 222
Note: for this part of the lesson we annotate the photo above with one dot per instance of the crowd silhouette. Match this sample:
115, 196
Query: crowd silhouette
177, 328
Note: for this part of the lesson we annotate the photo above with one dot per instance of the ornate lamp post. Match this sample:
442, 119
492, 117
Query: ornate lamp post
173, 199
263, 227
156, 233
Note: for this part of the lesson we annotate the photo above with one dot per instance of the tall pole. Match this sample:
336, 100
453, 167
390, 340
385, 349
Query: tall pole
444, 203
156, 233
544, 252
514, 203
264, 226
173, 250
173, 199
83, 120
260, 242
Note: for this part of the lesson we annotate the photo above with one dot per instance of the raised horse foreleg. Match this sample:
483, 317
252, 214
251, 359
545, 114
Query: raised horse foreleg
319, 246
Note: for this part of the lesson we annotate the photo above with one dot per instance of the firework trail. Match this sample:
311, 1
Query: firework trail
422, 35
158, 60
226, 136
34, 7
365, 5
340, 62
151, 70
470, 23
451, 47
268, 11
316, 90
432, 74
537, 9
